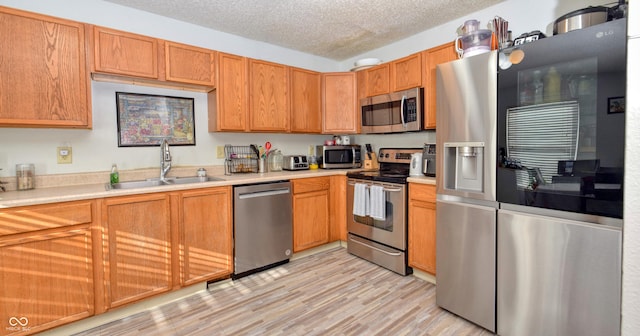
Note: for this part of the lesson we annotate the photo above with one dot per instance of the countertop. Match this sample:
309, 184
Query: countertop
12, 199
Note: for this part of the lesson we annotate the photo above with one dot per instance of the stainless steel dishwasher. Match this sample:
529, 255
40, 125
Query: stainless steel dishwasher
263, 232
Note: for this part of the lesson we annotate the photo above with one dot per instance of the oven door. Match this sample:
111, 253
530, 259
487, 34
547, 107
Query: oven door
393, 230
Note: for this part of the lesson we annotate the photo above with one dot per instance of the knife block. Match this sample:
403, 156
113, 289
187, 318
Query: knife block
371, 164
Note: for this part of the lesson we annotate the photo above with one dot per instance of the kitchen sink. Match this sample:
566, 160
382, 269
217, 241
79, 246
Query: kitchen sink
155, 182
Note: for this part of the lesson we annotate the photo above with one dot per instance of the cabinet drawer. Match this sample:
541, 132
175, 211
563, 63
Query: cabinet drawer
33, 218
422, 192
310, 184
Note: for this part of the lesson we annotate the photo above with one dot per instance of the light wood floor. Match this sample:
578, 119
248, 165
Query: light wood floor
329, 293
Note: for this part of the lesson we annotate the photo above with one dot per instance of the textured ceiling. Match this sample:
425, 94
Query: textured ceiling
335, 29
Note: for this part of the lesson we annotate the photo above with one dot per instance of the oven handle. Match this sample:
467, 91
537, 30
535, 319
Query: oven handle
385, 189
395, 254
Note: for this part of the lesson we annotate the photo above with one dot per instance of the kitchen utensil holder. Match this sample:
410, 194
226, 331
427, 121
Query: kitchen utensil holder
240, 159
371, 164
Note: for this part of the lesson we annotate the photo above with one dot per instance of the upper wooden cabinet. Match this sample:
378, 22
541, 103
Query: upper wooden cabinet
46, 266
125, 53
306, 102
377, 80
422, 227
44, 79
431, 58
401, 74
188, 64
229, 102
268, 96
406, 73
339, 105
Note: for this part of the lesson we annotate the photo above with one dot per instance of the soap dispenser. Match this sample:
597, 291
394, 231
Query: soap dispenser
114, 177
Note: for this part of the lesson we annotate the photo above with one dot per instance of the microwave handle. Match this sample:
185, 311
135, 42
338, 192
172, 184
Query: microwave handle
404, 125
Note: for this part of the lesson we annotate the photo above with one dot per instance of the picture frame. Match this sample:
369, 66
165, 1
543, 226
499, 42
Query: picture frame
615, 105
145, 120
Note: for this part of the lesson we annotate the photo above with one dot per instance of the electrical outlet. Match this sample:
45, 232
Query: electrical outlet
220, 152
64, 155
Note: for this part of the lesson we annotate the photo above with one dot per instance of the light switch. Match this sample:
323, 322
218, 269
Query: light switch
220, 152
64, 155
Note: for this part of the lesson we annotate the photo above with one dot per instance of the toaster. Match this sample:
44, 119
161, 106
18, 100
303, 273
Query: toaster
295, 162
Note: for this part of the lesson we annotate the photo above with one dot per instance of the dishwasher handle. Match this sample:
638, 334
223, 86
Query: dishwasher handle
265, 193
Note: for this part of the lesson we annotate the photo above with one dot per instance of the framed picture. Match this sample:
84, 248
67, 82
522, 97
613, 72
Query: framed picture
144, 120
616, 105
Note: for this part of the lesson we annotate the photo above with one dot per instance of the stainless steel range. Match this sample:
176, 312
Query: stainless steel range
377, 210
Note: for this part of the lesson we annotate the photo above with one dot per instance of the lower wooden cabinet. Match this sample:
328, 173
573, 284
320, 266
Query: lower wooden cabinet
310, 212
422, 227
137, 247
205, 228
46, 266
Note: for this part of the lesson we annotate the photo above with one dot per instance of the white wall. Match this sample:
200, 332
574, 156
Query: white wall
631, 237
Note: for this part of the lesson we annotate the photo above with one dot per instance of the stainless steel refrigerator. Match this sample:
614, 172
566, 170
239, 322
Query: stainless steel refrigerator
466, 192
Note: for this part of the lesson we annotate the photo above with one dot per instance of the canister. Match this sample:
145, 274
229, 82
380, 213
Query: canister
25, 176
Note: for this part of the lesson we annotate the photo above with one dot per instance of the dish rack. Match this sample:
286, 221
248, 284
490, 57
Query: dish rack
240, 159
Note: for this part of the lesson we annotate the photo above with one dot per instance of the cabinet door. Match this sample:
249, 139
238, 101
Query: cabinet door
378, 80
46, 266
137, 247
188, 64
206, 233
310, 212
432, 57
422, 227
338, 208
306, 104
339, 105
124, 53
229, 102
45, 78
268, 96
406, 73
46, 280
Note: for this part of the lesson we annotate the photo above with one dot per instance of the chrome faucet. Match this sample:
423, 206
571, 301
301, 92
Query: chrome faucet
165, 159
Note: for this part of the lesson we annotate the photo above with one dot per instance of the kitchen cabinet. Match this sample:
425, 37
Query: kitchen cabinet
45, 73
46, 266
431, 58
338, 208
205, 233
306, 102
406, 73
137, 247
378, 80
310, 212
123, 53
268, 96
422, 227
361, 79
189, 64
339, 105
229, 102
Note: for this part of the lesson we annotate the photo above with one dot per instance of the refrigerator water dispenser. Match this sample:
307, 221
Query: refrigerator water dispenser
464, 166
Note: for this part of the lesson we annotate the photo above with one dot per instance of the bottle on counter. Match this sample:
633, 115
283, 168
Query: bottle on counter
114, 177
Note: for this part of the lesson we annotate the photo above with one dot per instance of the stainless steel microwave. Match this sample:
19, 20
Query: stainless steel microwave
394, 112
346, 156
